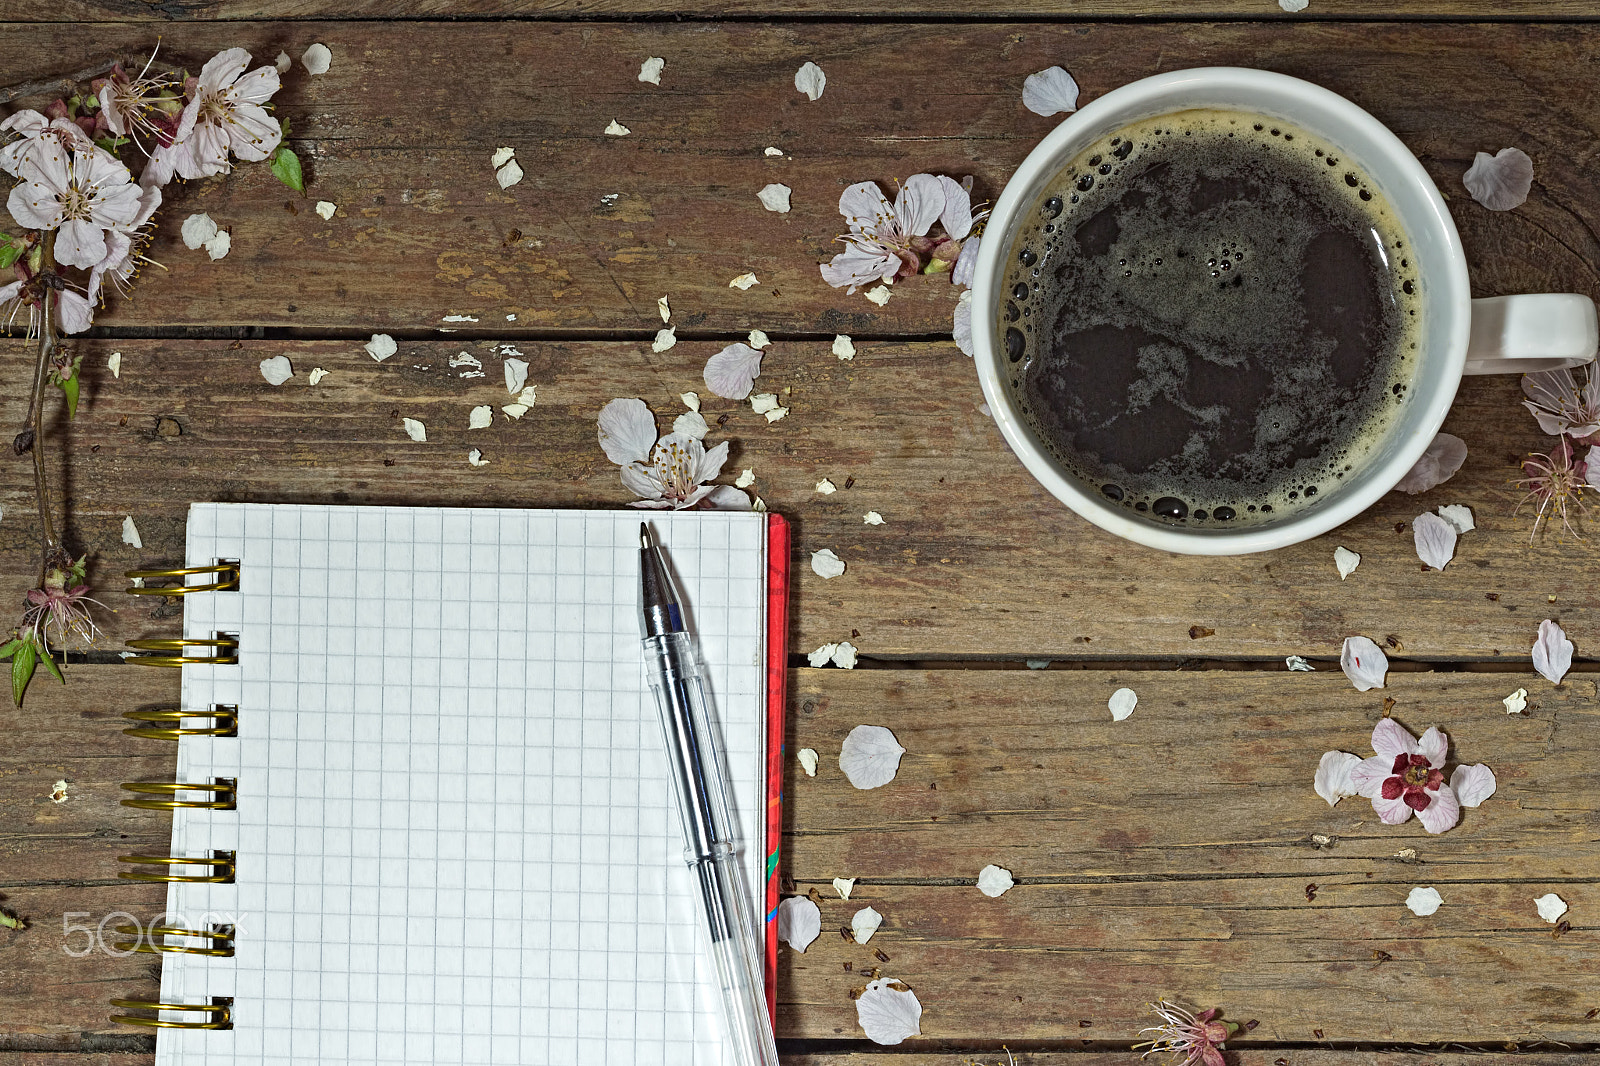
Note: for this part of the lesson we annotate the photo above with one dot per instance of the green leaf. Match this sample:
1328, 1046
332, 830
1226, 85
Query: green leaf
11, 921
69, 386
111, 144
10, 647
286, 168
283, 128
11, 250
50, 664
22, 667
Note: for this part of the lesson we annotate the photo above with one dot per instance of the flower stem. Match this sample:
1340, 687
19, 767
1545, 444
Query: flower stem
46, 350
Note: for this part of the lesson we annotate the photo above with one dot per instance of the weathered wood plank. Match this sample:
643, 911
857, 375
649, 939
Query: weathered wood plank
399, 134
974, 558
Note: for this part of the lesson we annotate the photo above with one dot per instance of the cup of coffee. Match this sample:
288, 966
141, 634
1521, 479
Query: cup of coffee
1222, 310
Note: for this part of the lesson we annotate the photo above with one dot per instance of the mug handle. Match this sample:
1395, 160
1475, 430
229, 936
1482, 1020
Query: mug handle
1526, 334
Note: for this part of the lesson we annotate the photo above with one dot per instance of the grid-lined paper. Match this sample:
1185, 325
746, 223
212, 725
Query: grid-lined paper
456, 841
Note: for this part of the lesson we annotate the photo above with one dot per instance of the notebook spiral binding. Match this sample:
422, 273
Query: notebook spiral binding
219, 1013
153, 940
222, 791
224, 720
227, 580
221, 864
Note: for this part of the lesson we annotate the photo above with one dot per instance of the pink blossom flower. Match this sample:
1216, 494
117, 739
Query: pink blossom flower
1407, 775
1554, 481
670, 472
891, 240
72, 311
40, 137
82, 194
1189, 1038
224, 114
1561, 407
63, 609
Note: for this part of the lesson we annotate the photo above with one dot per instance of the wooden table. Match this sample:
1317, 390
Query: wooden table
1181, 853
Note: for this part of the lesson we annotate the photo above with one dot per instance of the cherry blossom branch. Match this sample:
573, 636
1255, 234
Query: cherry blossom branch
41, 369
67, 84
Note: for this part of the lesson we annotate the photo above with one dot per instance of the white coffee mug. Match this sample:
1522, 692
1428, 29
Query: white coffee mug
1459, 335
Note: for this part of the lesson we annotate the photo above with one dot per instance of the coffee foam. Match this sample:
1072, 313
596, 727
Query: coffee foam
1157, 295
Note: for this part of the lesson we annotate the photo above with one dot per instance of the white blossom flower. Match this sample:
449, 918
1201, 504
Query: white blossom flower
124, 250
670, 472
81, 194
890, 240
1552, 652
1363, 662
1560, 406
1406, 776
39, 138
1500, 181
224, 114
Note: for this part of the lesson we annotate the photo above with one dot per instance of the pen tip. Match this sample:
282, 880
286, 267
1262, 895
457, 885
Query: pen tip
644, 536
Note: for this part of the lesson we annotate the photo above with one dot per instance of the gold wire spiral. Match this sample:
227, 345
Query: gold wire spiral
221, 863
228, 580
220, 1012
152, 941
222, 788
225, 719
227, 647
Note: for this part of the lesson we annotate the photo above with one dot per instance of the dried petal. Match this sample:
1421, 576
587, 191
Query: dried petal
1346, 561
994, 881
743, 282
825, 564
1122, 703
475, 458
1364, 663
481, 417
879, 295
843, 886
381, 346
219, 244
775, 197
317, 59
810, 80
1551, 907
1052, 91
1501, 181
864, 923
617, 129
844, 347
1472, 784
627, 431
771, 151
826, 487
1423, 901
870, 757
114, 364
1292, 6
519, 407
746, 478
1298, 665
1333, 776
764, 403
691, 400
1435, 539
665, 339
1438, 464
808, 760
799, 922
732, 372
130, 533
501, 156
665, 309
650, 70
888, 1015
415, 429
872, 518
961, 324
277, 369
1552, 652
283, 63
1517, 702
326, 208
196, 230
1459, 516
822, 655
845, 656
759, 339
316, 375
516, 371
775, 414
509, 174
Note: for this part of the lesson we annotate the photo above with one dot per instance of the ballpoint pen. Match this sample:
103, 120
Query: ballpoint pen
694, 763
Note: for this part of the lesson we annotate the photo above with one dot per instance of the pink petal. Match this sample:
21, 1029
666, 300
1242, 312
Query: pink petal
1364, 663
956, 218
1472, 784
1442, 813
864, 207
1435, 540
1050, 92
967, 262
731, 372
1433, 745
919, 204
1501, 181
1391, 812
1549, 392
1438, 464
1390, 739
80, 243
1367, 776
627, 431
1552, 652
1333, 781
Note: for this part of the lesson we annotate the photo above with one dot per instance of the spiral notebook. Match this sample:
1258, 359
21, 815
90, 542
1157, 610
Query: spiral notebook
421, 812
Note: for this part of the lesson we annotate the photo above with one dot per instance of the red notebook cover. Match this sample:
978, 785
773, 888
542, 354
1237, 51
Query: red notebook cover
777, 697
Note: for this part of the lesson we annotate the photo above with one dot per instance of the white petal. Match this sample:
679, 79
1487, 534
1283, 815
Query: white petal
415, 429
775, 414
475, 458
691, 400
1551, 907
845, 657
872, 518
825, 564
870, 757
956, 216
1050, 92
1298, 665
967, 262
197, 229
1517, 702
1459, 516
1346, 561
317, 59
726, 498
1390, 739
1423, 901
666, 311
617, 129
844, 347
1435, 539
826, 487
759, 339
691, 424
1364, 663
283, 63
501, 156
919, 204
114, 363
843, 886
219, 245
746, 478
888, 1015
994, 881
879, 295
1472, 784
1501, 181
665, 339
326, 208
1552, 652
1292, 6
508, 175
524, 400
1333, 776
1122, 703
481, 417
130, 533
743, 282
764, 402
516, 375
732, 372
810, 80
1438, 464
1433, 745
775, 197
650, 70
759, 505
808, 760
771, 151
277, 369
799, 922
865, 922
822, 655
316, 375
381, 346
627, 431
961, 327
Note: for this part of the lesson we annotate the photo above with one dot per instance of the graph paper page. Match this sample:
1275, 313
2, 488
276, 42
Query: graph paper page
455, 837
